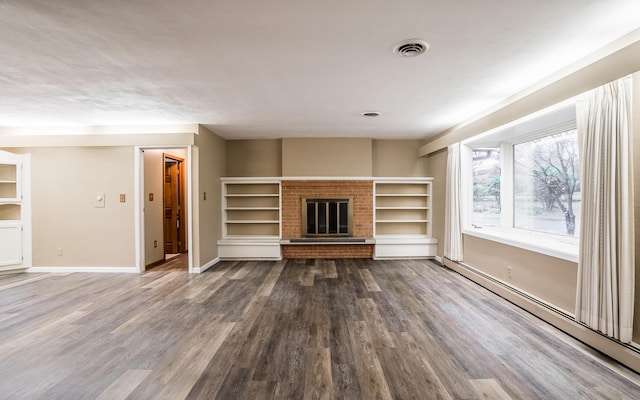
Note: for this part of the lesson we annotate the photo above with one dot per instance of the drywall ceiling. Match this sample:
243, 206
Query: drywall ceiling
287, 68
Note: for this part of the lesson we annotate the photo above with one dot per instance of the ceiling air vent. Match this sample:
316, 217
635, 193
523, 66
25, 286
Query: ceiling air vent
411, 47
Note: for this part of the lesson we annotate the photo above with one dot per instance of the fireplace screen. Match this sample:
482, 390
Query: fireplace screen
327, 217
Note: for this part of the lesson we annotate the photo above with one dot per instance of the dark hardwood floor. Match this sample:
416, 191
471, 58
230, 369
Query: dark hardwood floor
297, 329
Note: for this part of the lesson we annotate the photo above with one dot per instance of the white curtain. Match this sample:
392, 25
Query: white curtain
452, 228
606, 280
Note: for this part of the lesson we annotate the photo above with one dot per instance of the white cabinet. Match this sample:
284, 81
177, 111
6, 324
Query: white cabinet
250, 219
402, 218
15, 214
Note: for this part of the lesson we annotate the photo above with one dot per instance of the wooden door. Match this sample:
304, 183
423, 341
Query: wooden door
173, 202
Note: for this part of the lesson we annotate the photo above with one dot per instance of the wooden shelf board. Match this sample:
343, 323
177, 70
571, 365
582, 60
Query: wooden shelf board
252, 208
253, 237
402, 195
252, 195
400, 221
403, 208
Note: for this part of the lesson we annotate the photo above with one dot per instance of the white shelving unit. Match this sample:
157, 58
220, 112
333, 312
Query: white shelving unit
251, 218
402, 218
15, 243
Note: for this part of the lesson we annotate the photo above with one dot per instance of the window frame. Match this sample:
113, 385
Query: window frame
556, 245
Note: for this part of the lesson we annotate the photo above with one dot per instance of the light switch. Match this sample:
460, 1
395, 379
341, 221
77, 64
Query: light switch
150, 196
122, 198
205, 195
99, 203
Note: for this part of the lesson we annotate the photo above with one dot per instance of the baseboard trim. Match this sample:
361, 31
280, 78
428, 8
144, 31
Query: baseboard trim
625, 354
201, 269
67, 269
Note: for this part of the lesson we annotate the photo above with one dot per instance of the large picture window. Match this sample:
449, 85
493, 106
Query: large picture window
522, 181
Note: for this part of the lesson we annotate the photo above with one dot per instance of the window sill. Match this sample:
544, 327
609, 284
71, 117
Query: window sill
563, 249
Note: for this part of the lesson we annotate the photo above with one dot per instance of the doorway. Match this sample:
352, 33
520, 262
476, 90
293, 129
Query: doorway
164, 211
173, 205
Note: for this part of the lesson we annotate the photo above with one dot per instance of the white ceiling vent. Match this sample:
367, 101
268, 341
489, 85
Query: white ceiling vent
411, 47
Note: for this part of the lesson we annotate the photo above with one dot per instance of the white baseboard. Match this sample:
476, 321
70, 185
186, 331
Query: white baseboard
620, 352
439, 259
198, 270
63, 269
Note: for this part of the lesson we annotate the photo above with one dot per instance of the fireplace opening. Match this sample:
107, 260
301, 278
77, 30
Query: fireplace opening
327, 217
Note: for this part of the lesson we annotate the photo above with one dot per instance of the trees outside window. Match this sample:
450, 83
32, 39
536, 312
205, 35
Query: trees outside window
547, 184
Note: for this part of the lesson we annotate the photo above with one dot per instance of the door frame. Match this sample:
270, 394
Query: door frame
139, 203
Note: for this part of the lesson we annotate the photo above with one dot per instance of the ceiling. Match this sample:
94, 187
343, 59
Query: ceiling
287, 68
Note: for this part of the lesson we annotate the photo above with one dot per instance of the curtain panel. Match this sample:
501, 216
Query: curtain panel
605, 291
452, 222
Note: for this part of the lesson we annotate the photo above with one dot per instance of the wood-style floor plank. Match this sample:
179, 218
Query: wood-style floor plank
124, 385
291, 329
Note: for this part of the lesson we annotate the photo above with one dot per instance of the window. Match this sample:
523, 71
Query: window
486, 187
522, 183
547, 184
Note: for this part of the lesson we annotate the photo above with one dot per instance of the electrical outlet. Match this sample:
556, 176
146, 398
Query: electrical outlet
60, 251
509, 272
155, 243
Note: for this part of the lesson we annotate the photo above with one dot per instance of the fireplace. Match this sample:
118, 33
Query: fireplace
327, 217
321, 204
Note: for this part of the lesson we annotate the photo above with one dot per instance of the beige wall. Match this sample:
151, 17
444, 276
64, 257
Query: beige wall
211, 161
327, 157
398, 158
254, 157
153, 215
548, 278
65, 181
324, 157
153, 230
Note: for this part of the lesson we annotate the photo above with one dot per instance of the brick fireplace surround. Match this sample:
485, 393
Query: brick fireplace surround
292, 193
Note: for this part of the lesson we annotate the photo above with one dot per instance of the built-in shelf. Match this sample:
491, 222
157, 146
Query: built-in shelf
250, 218
402, 218
15, 251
